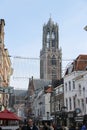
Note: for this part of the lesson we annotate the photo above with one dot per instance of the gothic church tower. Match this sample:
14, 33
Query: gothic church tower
50, 55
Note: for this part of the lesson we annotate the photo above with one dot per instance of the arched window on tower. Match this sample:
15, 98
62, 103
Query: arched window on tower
53, 61
53, 39
48, 39
53, 35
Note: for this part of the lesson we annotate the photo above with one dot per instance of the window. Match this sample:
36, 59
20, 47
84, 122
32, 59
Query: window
59, 104
78, 101
53, 60
48, 39
61, 90
70, 103
69, 85
53, 43
79, 89
53, 39
82, 102
73, 84
65, 86
48, 36
53, 35
74, 102
67, 102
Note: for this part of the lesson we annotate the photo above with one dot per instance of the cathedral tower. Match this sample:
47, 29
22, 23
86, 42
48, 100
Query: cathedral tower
50, 55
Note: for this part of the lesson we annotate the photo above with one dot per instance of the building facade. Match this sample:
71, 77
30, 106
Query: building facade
50, 55
5, 67
34, 88
41, 106
57, 100
50, 70
75, 89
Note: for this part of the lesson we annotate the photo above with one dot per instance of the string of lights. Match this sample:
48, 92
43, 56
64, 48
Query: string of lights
33, 61
38, 58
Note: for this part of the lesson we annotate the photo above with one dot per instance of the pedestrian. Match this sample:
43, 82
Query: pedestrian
66, 128
31, 125
83, 127
72, 127
24, 126
46, 126
59, 127
51, 126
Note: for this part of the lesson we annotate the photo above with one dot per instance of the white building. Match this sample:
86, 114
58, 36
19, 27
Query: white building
41, 106
75, 91
75, 86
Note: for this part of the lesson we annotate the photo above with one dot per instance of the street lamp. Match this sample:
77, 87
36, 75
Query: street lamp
47, 115
85, 28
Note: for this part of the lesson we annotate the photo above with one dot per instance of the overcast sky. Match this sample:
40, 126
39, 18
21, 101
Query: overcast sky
24, 20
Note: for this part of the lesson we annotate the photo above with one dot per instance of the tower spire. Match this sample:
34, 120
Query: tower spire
50, 55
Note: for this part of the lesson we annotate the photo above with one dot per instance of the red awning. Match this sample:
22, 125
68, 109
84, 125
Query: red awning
8, 115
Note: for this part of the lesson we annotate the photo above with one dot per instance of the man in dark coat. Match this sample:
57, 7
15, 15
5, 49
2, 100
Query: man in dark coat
31, 125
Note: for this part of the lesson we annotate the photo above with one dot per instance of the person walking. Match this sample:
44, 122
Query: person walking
84, 127
51, 126
31, 125
45, 126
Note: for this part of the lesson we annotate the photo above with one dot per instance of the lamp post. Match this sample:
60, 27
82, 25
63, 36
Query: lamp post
47, 115
85, 28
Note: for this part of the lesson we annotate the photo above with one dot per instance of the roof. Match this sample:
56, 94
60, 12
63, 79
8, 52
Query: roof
8, 115
50, 22
40, 83
56, 83
37, 84
20, 92
79, 64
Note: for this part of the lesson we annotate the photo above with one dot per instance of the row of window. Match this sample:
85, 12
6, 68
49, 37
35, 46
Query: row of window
69, 87
69, 84
73, 103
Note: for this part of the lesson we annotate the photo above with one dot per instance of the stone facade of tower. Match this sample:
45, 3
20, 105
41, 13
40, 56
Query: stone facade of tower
50, 55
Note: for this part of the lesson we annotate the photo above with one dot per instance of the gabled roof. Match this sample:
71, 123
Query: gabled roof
79, 64
38, 84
